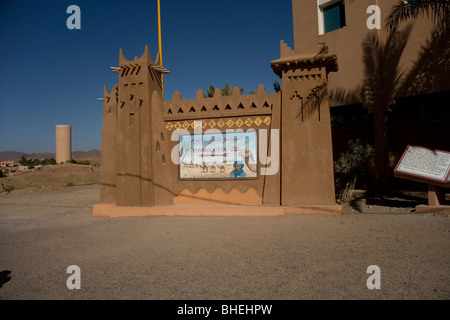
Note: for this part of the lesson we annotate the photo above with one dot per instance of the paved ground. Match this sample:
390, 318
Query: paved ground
289, 257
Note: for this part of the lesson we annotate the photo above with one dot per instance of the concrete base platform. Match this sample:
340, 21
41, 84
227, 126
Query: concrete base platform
445, 210
113, 211
314, 209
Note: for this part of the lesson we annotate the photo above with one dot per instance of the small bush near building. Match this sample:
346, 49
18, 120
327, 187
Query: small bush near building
8, 189
351, 168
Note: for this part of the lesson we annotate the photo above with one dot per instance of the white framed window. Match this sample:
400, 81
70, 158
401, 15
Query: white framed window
331, 15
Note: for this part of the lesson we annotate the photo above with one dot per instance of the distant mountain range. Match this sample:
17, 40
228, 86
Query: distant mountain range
16, 155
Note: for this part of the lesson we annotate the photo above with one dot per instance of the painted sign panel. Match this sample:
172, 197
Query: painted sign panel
219, 156
425, 163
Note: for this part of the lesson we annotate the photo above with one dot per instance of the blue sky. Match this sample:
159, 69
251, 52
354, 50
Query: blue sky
52, 75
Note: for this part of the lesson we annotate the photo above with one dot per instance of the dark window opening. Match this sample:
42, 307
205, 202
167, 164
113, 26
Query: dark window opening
334, 17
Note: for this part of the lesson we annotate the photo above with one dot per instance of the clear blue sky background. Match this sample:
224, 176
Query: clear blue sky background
51, 75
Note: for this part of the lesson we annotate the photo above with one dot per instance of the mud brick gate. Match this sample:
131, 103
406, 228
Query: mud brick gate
140, 139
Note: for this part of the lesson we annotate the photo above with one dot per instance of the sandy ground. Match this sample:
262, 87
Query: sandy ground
291, 257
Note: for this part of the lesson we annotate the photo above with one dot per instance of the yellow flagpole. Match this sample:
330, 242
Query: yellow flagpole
160, 45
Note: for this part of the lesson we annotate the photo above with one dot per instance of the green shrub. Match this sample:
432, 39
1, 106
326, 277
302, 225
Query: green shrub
70, 184
351, 168
47, 162
32, 163
8, 189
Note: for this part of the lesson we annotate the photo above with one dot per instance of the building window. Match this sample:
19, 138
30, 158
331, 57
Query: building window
331, 15
435, 113
427, 108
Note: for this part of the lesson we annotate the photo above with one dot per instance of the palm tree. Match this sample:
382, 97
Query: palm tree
277, 86
226, 91
432, 67
210, 91
382, 82
381, 85
407, 9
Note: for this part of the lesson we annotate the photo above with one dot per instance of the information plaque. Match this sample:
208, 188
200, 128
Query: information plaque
424, 165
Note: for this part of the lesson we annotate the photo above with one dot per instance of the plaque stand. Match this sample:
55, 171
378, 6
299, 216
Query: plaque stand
436, 201
437, 182
436, 195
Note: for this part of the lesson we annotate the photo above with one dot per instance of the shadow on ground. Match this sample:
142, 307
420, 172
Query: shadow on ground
4, 277
363, 202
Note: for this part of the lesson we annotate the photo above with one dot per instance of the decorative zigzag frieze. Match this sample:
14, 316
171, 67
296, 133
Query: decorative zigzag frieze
219, 106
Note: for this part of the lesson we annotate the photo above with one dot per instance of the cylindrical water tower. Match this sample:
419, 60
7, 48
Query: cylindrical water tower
63, 144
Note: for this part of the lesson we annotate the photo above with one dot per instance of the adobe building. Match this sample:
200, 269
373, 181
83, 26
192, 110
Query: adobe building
419, 114
150, 162
6, 164
147, 142
342, 26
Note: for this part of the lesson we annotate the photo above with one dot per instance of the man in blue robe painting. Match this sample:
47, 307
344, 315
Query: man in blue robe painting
238, 171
